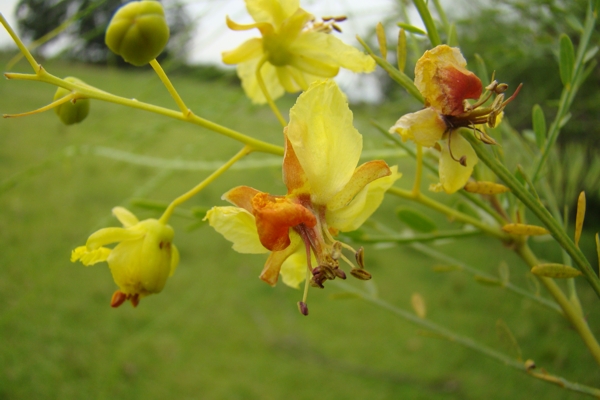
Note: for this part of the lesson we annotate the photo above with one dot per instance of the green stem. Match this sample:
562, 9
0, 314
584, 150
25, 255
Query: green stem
431, 252
569, 91
571, 312
450, 212
263, 88
537, 208
468, 342
400, 77
427, 237
172, 91
432, 32
94, 93
469, 196
198, 188
34, 64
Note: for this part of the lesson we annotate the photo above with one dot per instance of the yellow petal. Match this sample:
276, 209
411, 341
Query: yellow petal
272, 11
238, 226
314, 66
424, 127
247, 73
352, 216
362, 176
293, 269
453, 176
263, 27
90, 257
330, 50
326, 143
286, 79
251, 48
125, 216
106, 236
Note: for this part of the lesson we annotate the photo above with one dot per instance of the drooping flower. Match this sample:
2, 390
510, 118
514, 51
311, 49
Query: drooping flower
326, 194
445, 83
297, 49
142, 260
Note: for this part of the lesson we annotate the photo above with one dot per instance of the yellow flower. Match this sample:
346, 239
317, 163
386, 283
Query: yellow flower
326, 193
298, 50
445, 83
142, 260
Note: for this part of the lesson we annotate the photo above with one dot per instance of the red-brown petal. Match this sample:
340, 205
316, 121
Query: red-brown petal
293, 174
275, 216
457, 85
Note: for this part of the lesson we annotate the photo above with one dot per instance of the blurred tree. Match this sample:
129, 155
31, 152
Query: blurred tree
36, 18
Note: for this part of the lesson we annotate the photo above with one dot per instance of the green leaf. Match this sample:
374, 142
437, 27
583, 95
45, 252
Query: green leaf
559, 271
401, 50
416, 220
539, 125
484, 280
452, 36
482, 72
567, 59
447, 268
412, 29
504, 273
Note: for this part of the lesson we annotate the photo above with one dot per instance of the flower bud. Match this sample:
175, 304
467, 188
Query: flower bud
138, 32
72, 111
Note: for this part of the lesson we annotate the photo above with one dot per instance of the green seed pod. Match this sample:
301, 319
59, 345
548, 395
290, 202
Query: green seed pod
71, 112
138, 32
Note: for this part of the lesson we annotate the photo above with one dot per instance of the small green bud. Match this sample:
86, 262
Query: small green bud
138, 32
74, 111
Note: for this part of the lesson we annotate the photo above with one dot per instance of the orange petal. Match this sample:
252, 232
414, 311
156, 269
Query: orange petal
270, 272
293, 174
274, 218
241, 196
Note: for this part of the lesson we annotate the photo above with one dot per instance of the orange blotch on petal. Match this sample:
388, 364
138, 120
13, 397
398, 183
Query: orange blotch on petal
275, 216
457, 85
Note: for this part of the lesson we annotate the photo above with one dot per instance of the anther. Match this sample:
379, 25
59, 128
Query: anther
463, 161
501, 88
340, 273
336, 27
336, 250
118, 298
361, 274
360, 257
303, 308
492, 86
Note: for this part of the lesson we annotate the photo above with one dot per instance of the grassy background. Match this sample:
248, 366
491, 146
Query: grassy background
216, 331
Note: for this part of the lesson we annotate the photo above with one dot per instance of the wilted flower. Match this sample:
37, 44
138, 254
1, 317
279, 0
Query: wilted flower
445, 83
326, 194
142, 260
297, 50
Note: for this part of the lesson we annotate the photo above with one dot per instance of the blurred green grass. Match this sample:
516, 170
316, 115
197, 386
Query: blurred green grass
216, 331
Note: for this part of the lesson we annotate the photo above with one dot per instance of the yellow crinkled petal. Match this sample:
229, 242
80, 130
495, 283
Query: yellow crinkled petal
125, 216
247, 73
272, 11
330, 50
326, 143
106, 236
174, 259
238, 226
424, 127
251, 48
364, 204
90, 257
454, 176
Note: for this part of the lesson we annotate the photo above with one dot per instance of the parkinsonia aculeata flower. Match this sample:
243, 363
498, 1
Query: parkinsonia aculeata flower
326, 194
295, 49
142, 260
445, 83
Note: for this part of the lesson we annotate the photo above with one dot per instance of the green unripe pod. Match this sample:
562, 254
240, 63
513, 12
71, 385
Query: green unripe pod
138, 32
71, 112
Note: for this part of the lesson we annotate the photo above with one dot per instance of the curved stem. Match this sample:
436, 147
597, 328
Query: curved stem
50, 106
172, 91
467, 342
263, 88
571, 312
186, 196
450, 212
537, 208
94, 93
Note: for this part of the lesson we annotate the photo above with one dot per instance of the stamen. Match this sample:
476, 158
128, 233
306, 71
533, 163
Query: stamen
463, 160
511, 98
361, 274
360, 257
303, 308
118, 298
